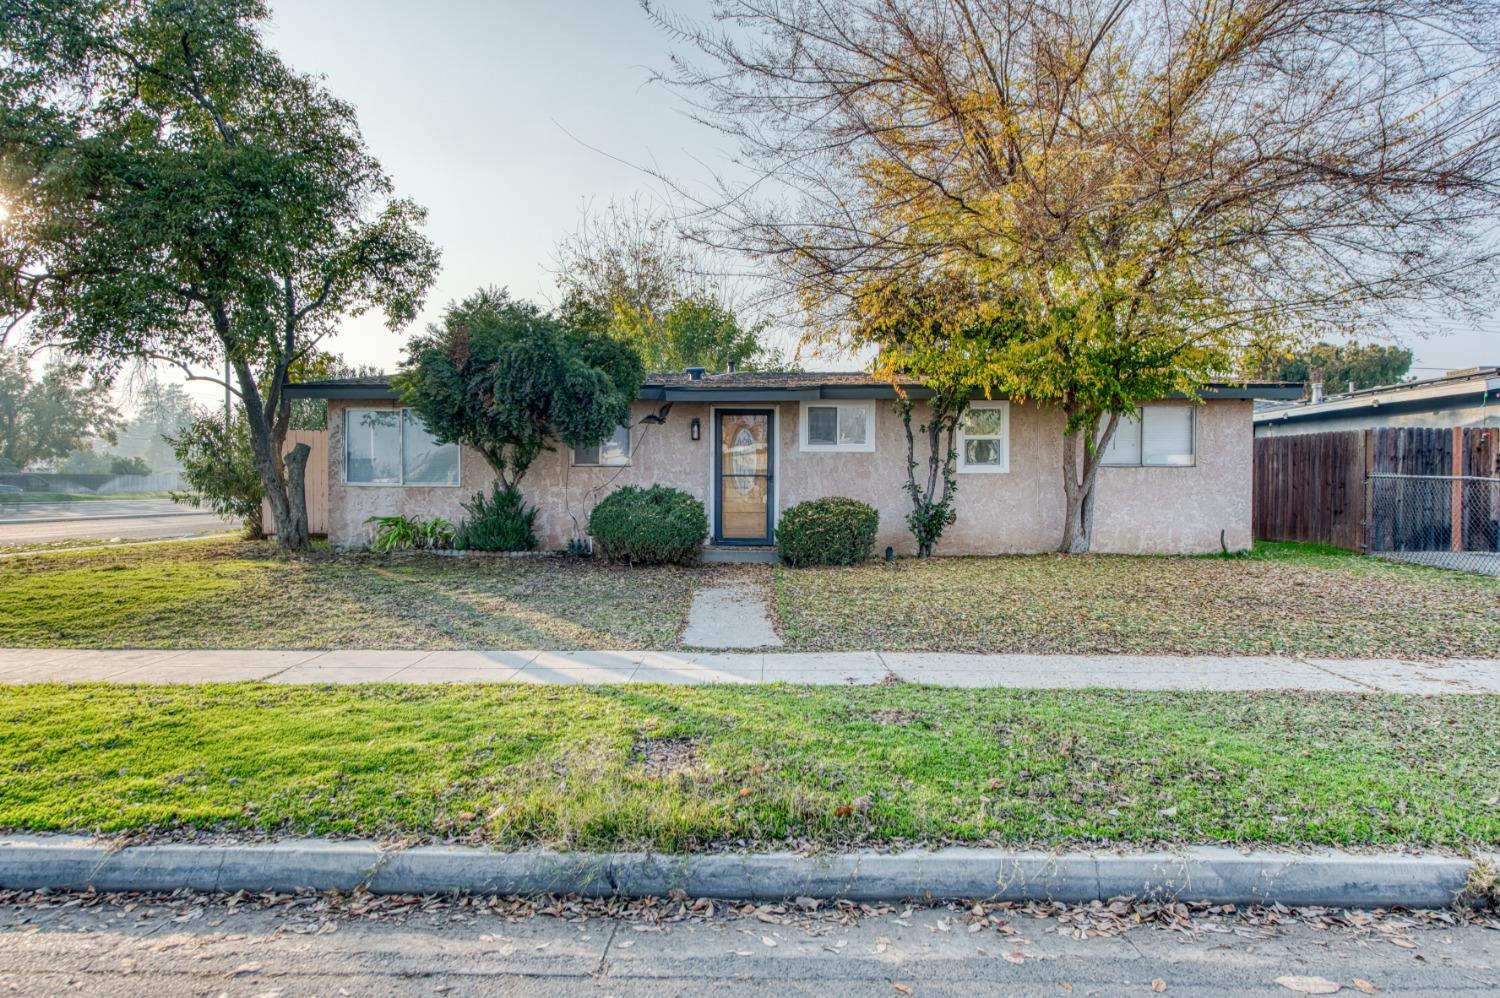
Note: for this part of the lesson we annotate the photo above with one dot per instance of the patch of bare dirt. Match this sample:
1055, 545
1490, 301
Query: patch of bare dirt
664, 757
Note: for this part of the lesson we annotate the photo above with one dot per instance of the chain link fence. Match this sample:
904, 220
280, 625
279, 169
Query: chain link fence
1448, 521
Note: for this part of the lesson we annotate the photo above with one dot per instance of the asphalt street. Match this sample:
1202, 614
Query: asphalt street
102, 519
183, 948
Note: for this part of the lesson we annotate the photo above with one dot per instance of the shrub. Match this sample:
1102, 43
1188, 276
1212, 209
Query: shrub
655, 526
500, 521
129, 466
219, 466
828, 531
396, 533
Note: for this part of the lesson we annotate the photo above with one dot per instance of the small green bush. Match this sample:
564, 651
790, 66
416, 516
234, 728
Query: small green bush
828, 531
500, 521
401, 533
655, 526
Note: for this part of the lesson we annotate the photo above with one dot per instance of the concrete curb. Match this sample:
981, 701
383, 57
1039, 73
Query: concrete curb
1219, 875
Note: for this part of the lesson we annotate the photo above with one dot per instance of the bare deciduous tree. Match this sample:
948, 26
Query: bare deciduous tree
1149, 186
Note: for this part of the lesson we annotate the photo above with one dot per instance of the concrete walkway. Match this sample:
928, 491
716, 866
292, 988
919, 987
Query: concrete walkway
825, 668
730, 617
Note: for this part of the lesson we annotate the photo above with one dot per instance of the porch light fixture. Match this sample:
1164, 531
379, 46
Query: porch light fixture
695, 428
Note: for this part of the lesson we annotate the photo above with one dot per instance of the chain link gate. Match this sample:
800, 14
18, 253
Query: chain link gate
1448, 521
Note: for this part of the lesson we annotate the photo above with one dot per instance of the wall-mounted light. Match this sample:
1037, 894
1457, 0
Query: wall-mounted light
695, 428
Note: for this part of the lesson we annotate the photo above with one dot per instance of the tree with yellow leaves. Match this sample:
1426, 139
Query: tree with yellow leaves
1093, 204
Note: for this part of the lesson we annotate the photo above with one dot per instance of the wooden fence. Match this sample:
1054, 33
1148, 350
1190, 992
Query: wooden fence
1311, 486
317, 480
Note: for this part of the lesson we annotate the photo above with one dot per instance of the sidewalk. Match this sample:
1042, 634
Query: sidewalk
1131, 672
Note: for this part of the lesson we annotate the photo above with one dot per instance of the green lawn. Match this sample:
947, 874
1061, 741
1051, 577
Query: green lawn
1283, 599
678, 768
235, 594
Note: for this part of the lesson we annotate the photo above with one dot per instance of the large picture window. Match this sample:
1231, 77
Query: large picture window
393, 447
984, 439
611, 453
1161, 437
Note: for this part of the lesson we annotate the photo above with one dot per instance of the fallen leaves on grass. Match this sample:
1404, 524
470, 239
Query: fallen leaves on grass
1290, 601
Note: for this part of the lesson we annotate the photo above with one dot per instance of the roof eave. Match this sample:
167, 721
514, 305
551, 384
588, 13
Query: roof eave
1409, 400
360, 392
761, 393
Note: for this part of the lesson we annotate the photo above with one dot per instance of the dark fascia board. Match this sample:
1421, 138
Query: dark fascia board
316, 391
684, 393
1270, 391
809, 393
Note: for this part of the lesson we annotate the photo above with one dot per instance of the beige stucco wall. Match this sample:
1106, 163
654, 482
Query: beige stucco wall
1140, 510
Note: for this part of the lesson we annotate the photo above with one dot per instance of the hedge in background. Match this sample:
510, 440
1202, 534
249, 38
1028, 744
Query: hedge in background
655, 526
828, 531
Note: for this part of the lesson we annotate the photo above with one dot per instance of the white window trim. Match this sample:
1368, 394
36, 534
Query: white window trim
1140, 428
629, 452
868, 447
401, 462
1003, 468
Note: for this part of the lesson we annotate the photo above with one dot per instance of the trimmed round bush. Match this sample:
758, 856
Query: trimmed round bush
655, 526
833, 530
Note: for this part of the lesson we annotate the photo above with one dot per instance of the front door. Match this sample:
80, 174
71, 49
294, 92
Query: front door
743, 459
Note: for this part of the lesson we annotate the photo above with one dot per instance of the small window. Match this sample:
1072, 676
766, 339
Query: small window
983, 439
393, 447
1161, 437
611, 453
842, 426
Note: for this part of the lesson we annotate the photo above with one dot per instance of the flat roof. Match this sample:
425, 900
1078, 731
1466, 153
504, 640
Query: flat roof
1455, 387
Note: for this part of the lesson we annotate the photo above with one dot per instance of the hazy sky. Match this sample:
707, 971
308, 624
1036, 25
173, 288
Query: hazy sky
485, 112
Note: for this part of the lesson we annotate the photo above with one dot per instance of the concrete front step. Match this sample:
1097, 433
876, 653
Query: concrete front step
730, 555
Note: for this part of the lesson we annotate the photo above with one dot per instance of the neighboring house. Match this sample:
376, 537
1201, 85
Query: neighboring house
1469, 398
751, 444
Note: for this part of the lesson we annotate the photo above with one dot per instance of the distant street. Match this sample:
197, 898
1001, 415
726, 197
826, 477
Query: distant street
290, 947
103, 519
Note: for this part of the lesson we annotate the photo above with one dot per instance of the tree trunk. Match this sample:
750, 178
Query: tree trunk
1080, 475
296, 493
288, 510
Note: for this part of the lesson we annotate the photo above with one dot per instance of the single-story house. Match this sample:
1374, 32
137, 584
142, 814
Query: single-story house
751, 444
1468, 398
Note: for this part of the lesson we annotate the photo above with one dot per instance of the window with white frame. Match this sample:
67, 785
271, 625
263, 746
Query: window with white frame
394, 447
1160, 437
611, 453
984, 439
838, 426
